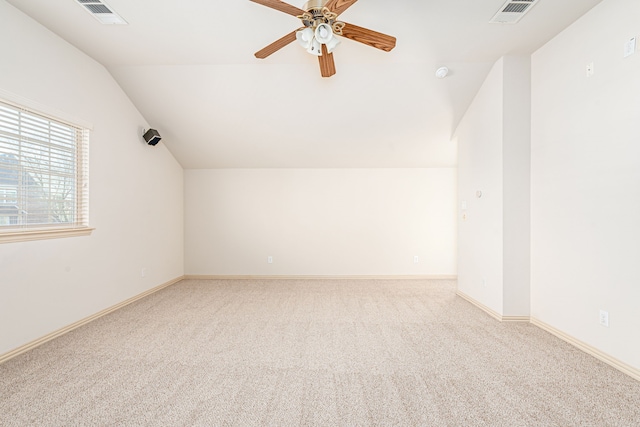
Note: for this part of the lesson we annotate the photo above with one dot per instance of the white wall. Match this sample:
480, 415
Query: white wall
516, 172
586, 181
136, 194
493, 158
320, 221
480, 229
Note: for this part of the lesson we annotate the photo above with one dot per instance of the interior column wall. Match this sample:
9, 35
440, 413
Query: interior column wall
494, 191
516, 172
480, 194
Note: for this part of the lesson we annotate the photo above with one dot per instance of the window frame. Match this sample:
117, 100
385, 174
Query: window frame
51, 230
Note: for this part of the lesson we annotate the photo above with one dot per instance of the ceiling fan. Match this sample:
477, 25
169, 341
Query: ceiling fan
320, 26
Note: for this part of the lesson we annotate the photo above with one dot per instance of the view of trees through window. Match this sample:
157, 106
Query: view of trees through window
40, 178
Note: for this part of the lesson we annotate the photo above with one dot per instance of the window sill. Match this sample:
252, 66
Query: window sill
42, 234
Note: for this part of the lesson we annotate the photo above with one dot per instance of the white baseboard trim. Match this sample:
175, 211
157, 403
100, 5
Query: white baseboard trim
589, 349
481, 306
300, 277
492, 312
609, 360
33, 344
516, 319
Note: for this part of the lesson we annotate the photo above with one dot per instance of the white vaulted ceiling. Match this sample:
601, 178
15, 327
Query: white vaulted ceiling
188, 66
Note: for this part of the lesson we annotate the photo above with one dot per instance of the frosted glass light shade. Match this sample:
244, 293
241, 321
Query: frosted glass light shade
324, 33
305, 37
331, 44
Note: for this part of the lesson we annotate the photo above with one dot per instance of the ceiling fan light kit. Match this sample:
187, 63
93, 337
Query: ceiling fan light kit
312, 40
320, 28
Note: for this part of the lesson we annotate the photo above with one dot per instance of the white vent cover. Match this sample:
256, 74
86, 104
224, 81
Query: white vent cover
101, 11
512, 11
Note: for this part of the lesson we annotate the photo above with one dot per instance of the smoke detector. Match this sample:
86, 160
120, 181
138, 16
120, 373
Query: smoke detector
512, 11
442, 72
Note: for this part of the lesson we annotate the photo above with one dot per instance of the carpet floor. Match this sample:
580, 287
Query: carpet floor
311, 353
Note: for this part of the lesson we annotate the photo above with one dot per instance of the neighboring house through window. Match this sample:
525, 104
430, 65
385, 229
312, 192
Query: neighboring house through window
43, 176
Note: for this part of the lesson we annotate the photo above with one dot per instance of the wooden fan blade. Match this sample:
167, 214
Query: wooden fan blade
369, 37
327, 65
276, 45
281, 6
339, 6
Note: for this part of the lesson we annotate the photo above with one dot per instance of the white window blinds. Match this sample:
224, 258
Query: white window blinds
43, 171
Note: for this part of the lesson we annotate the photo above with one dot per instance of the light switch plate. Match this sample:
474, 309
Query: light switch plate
604, 318
590, 70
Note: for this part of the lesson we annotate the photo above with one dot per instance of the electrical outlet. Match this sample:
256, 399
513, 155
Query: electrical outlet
604, 318
143, 272
269, 260
630, 47
416, 259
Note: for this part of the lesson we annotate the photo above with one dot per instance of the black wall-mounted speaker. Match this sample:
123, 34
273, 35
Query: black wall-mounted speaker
152, 137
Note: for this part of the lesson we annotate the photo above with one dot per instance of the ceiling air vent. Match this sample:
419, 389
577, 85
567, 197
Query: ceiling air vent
101, 11
512, 11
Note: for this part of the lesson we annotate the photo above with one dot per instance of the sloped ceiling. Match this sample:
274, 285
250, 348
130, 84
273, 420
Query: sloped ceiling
188, 66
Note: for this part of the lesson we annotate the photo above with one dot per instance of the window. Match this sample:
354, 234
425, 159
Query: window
43, 176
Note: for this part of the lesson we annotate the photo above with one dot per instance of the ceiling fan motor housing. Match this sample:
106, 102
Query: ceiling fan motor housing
314, 4
317, 14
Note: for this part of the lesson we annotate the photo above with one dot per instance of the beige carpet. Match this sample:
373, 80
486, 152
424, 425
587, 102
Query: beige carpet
325, 353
